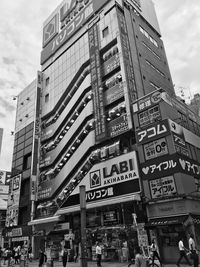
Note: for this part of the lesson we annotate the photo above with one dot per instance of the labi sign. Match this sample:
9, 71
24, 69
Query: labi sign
114, 171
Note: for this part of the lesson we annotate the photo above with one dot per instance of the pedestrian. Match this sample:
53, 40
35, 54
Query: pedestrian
76, 252
42, 257
193, 252
64, 255
98, 254
154, 250
182, 252
30, 255
140, 260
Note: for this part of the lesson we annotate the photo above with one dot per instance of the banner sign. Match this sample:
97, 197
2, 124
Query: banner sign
180, 144
79, 13
114, 93
13, 201
153, 132
164, 186
114, 190
155, 149
168, 165
147, 101
96, 82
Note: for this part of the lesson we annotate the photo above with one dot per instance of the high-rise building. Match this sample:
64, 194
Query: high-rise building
108, 120
22, 182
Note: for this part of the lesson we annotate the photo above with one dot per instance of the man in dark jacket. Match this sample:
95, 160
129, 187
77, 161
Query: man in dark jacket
42, 257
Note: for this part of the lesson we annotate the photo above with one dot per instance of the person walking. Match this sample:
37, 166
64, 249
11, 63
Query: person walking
98, 254
154, 250
42, 257
64, 255
193, 252
182, 253
140, 261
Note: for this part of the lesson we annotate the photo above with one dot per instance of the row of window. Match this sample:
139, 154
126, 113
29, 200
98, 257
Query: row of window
52, 144
54, 171
156, 69
147, 35
151, 50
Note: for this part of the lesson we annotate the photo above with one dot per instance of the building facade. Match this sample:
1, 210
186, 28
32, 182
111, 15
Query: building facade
22, 184
106, 117
98, 57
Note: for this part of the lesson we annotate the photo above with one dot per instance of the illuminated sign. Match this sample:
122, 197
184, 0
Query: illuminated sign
118, 126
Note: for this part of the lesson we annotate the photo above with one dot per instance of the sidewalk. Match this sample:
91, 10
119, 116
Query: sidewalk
93, 264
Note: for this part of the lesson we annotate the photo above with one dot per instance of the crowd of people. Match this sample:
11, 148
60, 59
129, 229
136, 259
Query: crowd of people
12, 256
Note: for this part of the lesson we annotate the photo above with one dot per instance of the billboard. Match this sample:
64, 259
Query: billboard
115, 177
161, 187
73, 15
168, 165
153, 132
13, 201
155, 149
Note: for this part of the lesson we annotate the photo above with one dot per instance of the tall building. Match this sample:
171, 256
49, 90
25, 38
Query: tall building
107, 119
22, 182
98, 57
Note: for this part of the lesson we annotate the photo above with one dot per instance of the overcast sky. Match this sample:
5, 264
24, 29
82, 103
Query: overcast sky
21, 38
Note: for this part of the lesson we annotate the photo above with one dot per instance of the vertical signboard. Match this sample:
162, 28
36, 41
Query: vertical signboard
96, 82
36, 136
13, 201
126, 65
1, 138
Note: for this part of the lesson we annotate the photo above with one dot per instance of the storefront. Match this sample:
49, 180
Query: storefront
169, 225
18, 236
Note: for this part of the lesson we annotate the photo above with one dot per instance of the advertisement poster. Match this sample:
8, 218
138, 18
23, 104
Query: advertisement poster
164, 186
13, 201
155, 149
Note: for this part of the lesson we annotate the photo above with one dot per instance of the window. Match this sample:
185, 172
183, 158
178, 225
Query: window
47, 81
105, 32
148, 36
46, 98
27, 162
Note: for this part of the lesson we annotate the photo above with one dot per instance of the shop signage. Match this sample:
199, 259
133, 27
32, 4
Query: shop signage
79, 12
116, 190
180, 144
110, 217
13, 201
164, 186
153, 132
149, 116
147, 101
167, 165
155, 149
97, 89
2, 175
118, 126
4, 189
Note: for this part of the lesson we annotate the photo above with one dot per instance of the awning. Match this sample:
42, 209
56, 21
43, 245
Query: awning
110, 201
166, 221
45, 220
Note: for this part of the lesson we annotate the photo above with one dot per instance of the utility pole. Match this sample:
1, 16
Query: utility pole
83, 226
